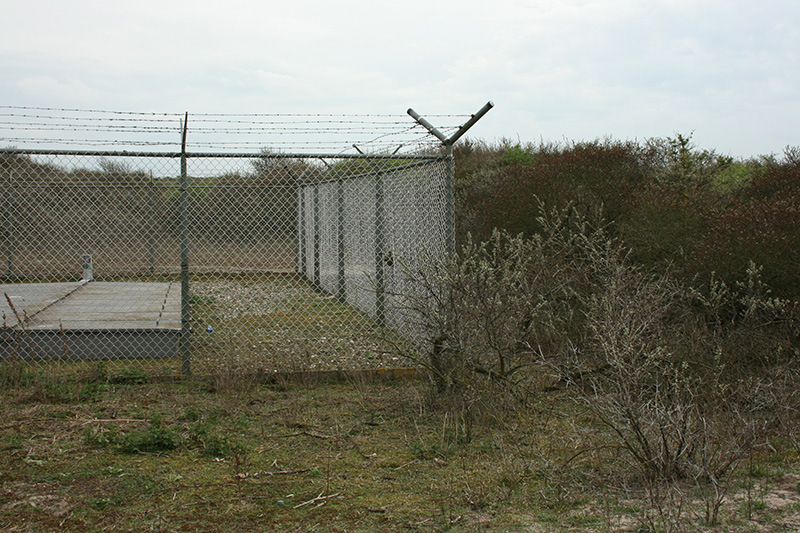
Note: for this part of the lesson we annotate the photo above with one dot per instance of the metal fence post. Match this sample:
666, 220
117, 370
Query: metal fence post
151, 252
380, 244
341, 288
448, 142
8, 224
316, 242
300, 256
449, 203
380, 279
186, 320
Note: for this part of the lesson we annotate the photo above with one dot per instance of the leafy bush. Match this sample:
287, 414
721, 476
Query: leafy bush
594, 177
517, 154
214, 444
662, 227
761, 225
673, 204
676, 162
153, 439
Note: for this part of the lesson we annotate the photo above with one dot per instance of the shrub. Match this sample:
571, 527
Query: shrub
761, 225
213, 443
489, 313
517, 154
687, 379
155, 438
663, 226
593, 177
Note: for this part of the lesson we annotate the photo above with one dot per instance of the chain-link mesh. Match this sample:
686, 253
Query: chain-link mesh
202, 264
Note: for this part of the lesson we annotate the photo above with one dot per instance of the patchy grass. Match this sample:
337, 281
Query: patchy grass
127, 454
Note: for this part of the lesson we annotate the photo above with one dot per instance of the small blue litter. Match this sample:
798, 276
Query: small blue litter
210, 329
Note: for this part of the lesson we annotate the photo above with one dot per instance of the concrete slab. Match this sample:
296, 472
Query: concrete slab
113, 305
91, 320
28, 299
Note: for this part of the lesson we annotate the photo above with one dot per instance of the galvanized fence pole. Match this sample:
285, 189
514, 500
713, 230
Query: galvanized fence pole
448, 143
341, 287
316, 242
186, 318
380, 244
300, 221
8, 224
380, 275
151, 252
300, 256
449, 203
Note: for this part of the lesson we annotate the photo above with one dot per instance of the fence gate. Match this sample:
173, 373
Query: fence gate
200, 263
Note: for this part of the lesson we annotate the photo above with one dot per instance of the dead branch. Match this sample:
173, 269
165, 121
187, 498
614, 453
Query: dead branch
318, 499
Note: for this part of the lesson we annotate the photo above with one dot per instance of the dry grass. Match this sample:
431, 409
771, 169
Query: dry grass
120, 454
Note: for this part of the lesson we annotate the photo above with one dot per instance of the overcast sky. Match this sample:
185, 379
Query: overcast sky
727, 70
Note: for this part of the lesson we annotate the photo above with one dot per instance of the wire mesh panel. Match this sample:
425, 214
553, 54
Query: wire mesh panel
366, 223
177, 263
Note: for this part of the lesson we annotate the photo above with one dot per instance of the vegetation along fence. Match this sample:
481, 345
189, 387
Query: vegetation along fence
185, 262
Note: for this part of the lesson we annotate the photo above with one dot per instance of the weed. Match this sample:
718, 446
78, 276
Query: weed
14, 441
130, 376
153, 439
191, 414
156, 438
92, 391
213, 443
100, 437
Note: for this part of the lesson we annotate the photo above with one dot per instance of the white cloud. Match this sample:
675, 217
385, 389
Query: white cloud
630, 69
47, 86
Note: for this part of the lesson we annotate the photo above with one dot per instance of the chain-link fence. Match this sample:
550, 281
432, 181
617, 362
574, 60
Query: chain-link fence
176, 263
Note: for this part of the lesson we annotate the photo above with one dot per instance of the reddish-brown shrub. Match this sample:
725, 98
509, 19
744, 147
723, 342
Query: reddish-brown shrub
763, 226
591, 176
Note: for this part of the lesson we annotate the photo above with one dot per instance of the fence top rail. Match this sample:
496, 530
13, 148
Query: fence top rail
217, 155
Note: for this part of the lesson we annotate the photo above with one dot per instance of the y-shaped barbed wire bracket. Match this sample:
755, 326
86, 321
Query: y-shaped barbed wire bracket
448, 142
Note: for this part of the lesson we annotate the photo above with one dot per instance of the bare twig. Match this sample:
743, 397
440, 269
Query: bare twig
283, 472
301, 433
14, 309
318, 499
103, 420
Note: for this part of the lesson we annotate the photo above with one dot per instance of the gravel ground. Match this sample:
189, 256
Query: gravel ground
281, 323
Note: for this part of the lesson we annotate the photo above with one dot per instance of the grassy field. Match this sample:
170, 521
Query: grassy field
119, 453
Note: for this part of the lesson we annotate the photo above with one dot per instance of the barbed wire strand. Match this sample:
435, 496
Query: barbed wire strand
366, 130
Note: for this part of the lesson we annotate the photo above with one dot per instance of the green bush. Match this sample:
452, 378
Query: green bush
517, 154
675, 206
153, 439
663, 226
